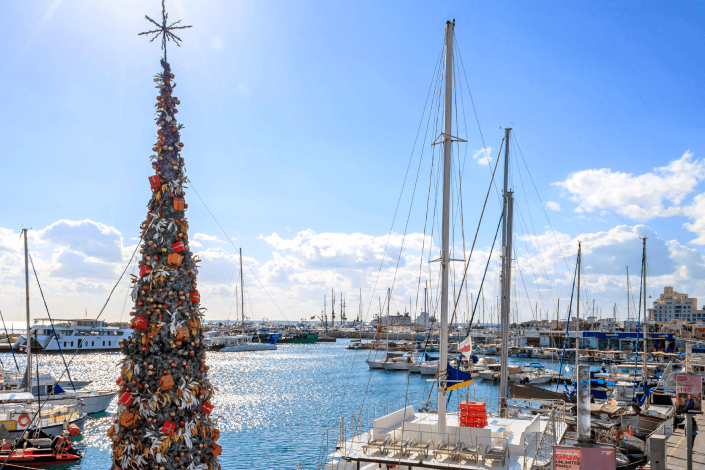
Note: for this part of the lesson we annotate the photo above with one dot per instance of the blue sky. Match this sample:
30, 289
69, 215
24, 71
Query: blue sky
300, 120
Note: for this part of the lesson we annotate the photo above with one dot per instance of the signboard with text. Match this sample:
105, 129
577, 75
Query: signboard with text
583, 458
689, 393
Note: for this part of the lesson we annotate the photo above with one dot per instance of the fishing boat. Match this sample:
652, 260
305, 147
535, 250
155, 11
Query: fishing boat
299, 337
243, 343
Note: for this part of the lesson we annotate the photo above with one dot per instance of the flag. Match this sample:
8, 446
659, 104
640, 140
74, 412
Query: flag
313, 317
459, 385
466, 347
457, 378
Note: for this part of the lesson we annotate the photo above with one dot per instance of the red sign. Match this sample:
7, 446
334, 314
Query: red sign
583, 458
689, 393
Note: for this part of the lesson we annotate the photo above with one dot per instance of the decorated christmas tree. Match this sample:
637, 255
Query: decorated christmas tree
163, 420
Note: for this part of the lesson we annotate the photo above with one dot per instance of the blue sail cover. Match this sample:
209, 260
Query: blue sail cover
457, 375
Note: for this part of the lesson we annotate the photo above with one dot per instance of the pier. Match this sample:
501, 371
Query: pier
677, 448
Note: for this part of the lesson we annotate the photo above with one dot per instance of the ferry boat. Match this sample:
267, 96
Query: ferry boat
83, 335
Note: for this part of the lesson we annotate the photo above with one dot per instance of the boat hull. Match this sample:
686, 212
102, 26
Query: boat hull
93, 402
249, 347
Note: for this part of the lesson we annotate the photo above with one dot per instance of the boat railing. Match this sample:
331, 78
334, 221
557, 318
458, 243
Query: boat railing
551, 435
357, 430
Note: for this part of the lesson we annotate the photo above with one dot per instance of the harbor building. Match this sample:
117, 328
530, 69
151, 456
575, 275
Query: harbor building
673, 305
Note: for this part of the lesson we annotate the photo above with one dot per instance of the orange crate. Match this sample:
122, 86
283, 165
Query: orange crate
478, 405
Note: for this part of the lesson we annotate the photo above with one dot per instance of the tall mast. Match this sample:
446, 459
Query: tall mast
577, 314
628, 293
505, 301
643, 269
332, 307
242, 292
28, 335
359, 310
445, 252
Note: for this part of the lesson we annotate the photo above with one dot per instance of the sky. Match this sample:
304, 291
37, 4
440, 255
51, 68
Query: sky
306, 130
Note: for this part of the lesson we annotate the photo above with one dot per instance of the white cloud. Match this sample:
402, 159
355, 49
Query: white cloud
696, 211
642, 197
205, 237
304, 267
553, 205
483, 156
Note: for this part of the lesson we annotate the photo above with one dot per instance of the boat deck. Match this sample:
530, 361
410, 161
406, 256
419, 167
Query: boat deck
411, 440
677, 448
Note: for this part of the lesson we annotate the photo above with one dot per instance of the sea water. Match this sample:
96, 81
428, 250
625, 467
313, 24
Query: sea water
272, 407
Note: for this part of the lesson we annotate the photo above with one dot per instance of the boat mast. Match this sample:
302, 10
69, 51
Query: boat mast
643, 269
445, 252
242, 293
28, 336
505, 301
577, 315
332, 311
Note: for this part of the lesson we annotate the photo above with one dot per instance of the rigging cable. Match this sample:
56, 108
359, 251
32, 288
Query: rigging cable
467, 264
29, 338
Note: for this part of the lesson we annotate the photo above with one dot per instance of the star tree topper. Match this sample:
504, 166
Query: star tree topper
164, 30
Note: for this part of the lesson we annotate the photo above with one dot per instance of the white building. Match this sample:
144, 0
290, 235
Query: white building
672, 305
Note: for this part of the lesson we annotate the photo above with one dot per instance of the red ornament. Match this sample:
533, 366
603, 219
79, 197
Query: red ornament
144, 270
207, 408
168, 427
195, 297
118, 381
155, 182
140, 323
126, 399
178, 247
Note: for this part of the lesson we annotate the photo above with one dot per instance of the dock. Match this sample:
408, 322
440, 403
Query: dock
676, 448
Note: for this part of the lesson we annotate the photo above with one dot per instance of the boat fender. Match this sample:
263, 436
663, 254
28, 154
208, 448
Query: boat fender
74, 430
23, 420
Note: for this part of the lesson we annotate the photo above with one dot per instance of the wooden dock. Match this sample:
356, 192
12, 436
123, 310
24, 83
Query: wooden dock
677, 446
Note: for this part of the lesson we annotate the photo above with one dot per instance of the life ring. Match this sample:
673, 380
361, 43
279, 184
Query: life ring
23, 420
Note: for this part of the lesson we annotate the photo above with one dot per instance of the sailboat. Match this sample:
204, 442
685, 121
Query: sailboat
424, 438
27, 426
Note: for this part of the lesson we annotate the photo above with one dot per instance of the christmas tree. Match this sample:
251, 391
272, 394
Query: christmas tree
164, 410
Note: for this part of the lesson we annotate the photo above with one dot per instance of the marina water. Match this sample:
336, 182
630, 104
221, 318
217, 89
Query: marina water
273, 406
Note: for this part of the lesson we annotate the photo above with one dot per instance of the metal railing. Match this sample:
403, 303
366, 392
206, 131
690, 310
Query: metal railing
353, 430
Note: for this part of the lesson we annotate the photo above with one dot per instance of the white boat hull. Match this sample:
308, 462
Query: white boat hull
396, 366
250, 347
92, 402
375, 364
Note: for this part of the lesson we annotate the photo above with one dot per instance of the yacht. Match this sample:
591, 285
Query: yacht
72, 335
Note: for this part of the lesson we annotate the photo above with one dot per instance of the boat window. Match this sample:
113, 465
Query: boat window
64, 343
92, 343
104, 345
109, 343
71, 343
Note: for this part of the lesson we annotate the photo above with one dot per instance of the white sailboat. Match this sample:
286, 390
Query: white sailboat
419, 438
